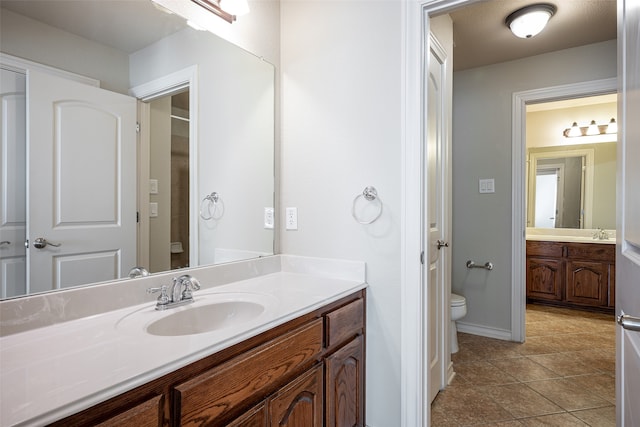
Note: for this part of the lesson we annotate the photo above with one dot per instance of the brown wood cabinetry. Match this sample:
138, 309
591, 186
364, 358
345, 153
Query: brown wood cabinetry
571, 274
308, 372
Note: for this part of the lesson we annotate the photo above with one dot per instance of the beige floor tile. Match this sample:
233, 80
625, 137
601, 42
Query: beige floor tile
602, 385
600, 417
524, 369
564, 364
568, 395
557, 420
600, 359
482, 373
539, 345
466, 406
520, 400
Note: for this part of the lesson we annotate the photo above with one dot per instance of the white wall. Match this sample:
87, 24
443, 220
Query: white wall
482, 149
341, 115
29, 39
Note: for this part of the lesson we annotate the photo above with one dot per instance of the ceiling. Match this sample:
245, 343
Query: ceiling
481, 37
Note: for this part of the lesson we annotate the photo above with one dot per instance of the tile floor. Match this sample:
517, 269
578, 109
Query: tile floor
563, 375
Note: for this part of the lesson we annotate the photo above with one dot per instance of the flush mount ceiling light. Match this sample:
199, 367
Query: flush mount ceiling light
530, 20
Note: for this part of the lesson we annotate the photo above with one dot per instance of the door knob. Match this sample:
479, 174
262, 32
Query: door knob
41, 243
441, 243
629, 322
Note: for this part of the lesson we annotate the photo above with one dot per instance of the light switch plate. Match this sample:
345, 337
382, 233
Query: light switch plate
269, 219
153, 210
153, 186
487, 186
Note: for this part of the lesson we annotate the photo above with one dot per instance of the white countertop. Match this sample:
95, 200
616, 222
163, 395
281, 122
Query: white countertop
569, 235
54, 371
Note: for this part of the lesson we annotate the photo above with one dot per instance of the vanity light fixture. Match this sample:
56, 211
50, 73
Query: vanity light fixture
225, 9
592, 129
530, 20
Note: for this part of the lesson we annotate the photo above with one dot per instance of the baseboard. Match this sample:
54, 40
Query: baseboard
450, 374
484, 331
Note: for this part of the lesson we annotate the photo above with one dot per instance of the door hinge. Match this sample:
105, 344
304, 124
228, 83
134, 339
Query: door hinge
137, 127
422, 257
137, 217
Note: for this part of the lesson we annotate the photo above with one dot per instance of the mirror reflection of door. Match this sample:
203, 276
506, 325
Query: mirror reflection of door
548, 206
169, 183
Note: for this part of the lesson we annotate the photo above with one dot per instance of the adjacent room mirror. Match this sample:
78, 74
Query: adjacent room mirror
571, 182
150, 203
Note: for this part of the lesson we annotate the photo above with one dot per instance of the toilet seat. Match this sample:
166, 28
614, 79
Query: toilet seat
457, 300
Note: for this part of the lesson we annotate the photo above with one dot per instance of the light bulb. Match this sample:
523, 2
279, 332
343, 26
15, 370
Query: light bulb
574, 130
593, 129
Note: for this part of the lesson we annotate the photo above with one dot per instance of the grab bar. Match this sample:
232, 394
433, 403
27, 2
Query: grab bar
487, 265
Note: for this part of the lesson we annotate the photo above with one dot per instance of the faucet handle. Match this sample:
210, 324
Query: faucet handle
190, 284
163, 299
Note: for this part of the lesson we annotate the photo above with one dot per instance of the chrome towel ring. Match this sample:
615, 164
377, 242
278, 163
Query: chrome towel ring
369, 194
211, 200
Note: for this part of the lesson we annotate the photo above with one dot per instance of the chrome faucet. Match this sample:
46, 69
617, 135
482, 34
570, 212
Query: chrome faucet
600, 234
179, 294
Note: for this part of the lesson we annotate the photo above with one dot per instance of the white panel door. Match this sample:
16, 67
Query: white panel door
13, 202
628, 232
82, 183
437, 220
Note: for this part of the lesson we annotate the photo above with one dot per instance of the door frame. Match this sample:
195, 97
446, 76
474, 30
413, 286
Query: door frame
414, 377
186, 78
518, 179
415, 22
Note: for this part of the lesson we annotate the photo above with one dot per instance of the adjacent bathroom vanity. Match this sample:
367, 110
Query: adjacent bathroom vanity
300, 361
571, 271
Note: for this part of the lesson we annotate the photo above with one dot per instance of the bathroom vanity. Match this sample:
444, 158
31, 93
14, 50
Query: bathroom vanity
299, 361
572, 273
276, 378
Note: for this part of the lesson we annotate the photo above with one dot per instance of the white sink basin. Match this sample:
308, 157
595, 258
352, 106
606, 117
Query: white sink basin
208, 313
206, 318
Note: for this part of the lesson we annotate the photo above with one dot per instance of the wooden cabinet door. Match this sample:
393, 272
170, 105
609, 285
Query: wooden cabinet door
344, 401
299, 404
588, 282
256, 417
544, 278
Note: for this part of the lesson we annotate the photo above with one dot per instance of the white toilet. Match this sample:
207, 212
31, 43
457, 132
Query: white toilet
458, 311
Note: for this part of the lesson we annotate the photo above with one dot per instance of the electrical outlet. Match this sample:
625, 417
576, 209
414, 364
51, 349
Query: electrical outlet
269, 219
291, 219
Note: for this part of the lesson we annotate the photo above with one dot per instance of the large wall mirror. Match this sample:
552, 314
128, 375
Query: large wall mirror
129, 139
571, 182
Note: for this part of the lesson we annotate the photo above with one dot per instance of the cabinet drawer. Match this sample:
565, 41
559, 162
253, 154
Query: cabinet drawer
344, 323
591, 251
146, 414
545, 249
224, 389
